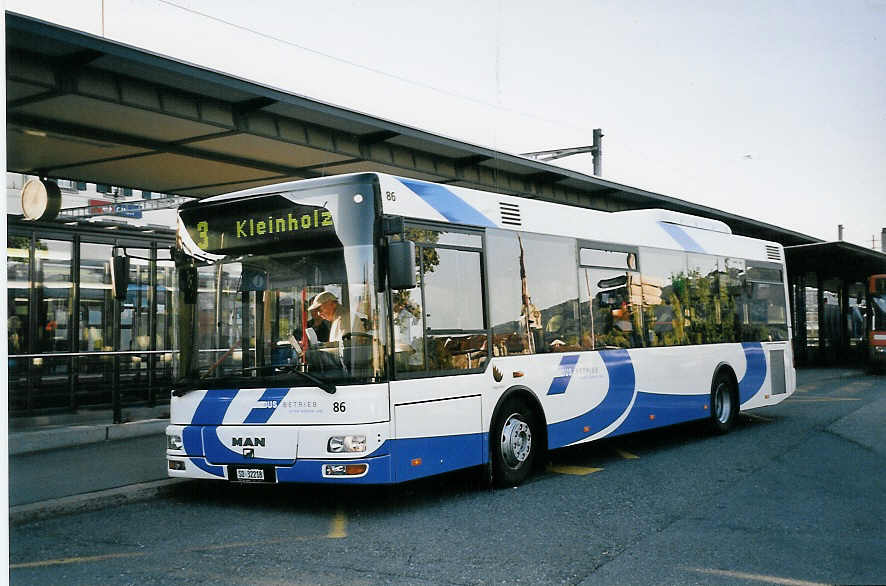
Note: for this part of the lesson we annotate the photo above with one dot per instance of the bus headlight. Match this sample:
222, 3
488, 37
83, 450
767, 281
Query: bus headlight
346, 443
174, 442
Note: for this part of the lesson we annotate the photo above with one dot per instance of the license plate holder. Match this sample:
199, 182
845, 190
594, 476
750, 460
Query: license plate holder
252, 474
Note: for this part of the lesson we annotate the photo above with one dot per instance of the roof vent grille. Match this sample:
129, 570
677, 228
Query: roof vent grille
510, 213
772, 253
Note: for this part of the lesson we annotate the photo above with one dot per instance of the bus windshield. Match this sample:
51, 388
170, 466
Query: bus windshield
285, 291
878, 305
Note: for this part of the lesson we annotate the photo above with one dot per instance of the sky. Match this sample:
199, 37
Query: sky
774, 110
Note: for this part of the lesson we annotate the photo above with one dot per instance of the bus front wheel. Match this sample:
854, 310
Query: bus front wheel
515, 439
724, 403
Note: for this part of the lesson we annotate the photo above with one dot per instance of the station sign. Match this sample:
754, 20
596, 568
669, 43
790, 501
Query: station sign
100, 207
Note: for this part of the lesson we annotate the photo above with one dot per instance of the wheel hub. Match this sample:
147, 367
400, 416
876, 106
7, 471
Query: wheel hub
516, 441
722, 403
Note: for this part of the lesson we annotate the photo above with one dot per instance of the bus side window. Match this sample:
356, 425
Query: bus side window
611, 309
533, 293
764, 312
439, 325
503, 278
408, 317
665, 297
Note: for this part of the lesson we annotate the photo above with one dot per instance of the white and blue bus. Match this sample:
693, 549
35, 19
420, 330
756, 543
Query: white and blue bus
375, 329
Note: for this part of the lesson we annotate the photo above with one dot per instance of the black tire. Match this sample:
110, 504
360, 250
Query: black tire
514, 439
724, 403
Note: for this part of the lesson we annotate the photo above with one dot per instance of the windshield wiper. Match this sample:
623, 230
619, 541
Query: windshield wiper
327, 386
194, 385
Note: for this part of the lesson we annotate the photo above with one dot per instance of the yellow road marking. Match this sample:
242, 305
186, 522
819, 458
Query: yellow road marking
78, 560
574, 470
336, 532
757, 577
338, 529
627, 455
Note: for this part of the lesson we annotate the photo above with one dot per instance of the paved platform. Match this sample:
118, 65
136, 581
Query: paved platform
69, 436
63, 468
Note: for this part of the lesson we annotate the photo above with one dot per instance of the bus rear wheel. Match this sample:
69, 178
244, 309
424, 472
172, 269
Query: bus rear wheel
724, 404
515, 440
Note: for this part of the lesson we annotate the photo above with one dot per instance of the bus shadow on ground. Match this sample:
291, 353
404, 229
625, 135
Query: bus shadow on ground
468, 483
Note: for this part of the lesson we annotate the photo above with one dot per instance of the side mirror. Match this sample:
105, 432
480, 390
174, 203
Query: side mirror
120, 276
187, 283
619, 281
401, 264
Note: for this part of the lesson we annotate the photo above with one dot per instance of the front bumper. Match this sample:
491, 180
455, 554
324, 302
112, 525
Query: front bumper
288, 453
310, 471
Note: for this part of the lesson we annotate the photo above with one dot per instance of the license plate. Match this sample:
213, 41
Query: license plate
250, 474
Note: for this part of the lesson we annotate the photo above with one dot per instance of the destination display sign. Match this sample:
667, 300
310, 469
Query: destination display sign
259, 224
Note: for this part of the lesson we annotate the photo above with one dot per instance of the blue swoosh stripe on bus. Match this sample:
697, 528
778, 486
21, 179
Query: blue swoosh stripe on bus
618, 397
212, 409
559, 384
262, 414
754, 374
682, 237
203, 465
452, 207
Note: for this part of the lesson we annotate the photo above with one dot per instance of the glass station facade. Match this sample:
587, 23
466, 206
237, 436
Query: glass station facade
70, 343
829, 301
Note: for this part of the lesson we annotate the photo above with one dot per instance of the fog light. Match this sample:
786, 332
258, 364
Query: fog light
174, 442
345, 469
176, 465
346, 443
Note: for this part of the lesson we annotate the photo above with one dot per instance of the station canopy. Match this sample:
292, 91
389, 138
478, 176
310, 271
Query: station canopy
84, 108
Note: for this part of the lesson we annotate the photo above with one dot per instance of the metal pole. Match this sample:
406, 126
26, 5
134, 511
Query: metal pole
33, 310
74, 333
597, 152
115, 389
152, 322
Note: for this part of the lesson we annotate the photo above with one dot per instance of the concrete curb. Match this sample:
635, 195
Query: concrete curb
811, 376
93, 501
26, 442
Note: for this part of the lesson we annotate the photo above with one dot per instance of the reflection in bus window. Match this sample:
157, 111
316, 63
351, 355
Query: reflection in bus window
614, 318
439, 325
761, 308
534, 293
665, 297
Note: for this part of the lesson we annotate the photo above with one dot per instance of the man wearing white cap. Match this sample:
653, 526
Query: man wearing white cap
332, 311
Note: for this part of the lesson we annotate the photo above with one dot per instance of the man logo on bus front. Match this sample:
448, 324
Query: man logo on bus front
249, 452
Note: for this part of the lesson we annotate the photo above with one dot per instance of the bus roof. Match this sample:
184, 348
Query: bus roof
423, 200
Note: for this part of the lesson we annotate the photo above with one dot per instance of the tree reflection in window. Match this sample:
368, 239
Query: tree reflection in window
439, 325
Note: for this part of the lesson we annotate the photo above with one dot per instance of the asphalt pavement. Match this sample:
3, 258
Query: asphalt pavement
71, 468
792, 496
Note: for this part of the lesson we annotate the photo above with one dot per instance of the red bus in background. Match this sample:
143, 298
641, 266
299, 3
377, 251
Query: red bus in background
877, 321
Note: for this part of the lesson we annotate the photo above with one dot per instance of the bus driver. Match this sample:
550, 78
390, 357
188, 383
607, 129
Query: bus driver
332, 311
